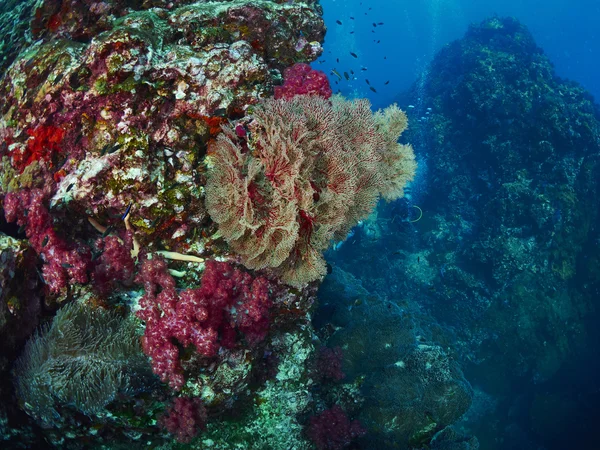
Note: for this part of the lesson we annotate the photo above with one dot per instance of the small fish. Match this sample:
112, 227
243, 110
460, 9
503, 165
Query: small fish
67, 265
352, 32
351, 72
346, 75
379, 23
322, 61
337, 59
69, 187
379, 41
107, 231
374, 24
387, 82
385, 57
40, 275
411, 106
339, 22
373, 89
103, 151
354, 54
418, 259
114, 148
334, 72
45, 241
126, 212
363, 68
220, 112
21, 229
352, 17
367, 81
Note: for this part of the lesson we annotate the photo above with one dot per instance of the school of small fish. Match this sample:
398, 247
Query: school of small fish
349, 75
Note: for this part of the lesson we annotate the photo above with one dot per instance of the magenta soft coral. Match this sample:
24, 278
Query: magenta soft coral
333, 430
329, 364
207, 317
62, 262
115, 262
301, 79
184, 418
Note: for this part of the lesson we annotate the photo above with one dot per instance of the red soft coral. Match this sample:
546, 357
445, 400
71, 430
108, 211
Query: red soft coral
227, 301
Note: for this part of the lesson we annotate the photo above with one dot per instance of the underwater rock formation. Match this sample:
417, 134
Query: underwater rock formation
411, 387
504, 258
514, 167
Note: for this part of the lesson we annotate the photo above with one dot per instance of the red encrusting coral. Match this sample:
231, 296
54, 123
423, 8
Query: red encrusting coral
333, 430
42, 144
184, 418
301, 79
208, 317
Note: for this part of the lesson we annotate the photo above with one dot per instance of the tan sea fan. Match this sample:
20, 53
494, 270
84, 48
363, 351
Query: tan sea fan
312, 169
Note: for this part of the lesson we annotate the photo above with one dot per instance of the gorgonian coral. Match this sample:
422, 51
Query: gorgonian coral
310, 170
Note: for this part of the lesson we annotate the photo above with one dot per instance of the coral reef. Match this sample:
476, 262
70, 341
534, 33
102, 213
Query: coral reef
165, 224
513, 215
411, 386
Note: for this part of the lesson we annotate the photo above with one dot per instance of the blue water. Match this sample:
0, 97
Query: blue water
413, 31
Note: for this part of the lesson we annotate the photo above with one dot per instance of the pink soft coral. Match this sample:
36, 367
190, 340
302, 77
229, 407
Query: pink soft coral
301, 79
115, 262
184, 418
209, 317
333, 430
63, 262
